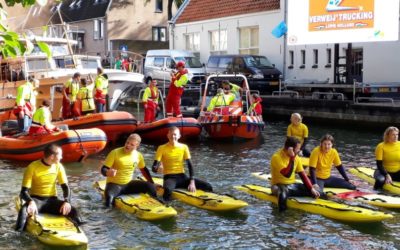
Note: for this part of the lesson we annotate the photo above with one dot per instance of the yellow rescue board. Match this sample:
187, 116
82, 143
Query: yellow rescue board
375, 199
55, 230
329, 209
142, 205
367, 174
205, 200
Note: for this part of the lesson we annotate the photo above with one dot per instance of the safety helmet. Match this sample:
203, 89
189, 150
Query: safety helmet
180, 64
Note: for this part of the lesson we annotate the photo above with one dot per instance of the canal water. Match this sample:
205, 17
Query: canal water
258, 226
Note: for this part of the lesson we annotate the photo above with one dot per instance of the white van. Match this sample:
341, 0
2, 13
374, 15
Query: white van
159, 64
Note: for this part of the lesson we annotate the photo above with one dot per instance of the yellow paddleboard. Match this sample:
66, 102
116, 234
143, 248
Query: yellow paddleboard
367, 174
205, 200
142, 205
56, 230
329, 209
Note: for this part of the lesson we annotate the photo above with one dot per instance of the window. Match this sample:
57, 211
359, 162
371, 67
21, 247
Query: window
159, 61
218, 42
192, 41
98, 29
315, 58
303, 59
159, 34
213, 62
225, 63
291, 59
328, 56
159, 5
248, 40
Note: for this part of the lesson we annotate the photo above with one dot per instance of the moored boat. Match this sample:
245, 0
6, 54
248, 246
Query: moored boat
230, 122
76, 145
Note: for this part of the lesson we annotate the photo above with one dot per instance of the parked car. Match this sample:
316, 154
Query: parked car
261, 74
159, 64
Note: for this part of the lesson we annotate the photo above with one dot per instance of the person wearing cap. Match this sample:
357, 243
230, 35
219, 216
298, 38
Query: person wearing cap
101, 84
24, 105
178, 82
70, 92
41, 120
255, 107
150, 101
220, 100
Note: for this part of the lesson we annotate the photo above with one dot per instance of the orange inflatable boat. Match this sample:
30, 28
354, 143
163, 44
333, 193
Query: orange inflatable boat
157, 131
76, 145
114, 124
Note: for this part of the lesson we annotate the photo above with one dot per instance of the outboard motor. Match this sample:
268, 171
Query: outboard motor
9, 127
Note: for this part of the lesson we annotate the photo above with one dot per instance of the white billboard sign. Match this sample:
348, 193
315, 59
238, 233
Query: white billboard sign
342, 21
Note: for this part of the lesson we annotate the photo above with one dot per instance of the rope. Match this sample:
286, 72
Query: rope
84, 153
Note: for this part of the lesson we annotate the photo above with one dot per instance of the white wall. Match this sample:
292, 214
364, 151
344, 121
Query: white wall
266, 21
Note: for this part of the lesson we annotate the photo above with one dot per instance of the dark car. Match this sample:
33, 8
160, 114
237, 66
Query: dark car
261, 74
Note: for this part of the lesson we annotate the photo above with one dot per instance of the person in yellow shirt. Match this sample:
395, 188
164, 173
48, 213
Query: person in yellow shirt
220, 100
172, 155
387, 155
284, 164
300, 131
119, 166
150, 101
321, 161
234, 89
24, 105
85, 97
41, 120
101, 83
39, 190
70, 92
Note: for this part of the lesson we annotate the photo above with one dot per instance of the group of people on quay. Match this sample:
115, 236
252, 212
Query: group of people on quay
80, 97
39, 193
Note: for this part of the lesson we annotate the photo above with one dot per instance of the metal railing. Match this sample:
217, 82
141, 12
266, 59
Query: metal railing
375, 99
327, 95
290, 93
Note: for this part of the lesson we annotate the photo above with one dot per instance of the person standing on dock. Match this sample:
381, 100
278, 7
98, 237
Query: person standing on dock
101, 84
284, 164
387, 155
119, 167
150, 101
24, 105
300, 131
322, 159
70, 92
39, 190
178, 81
173, 155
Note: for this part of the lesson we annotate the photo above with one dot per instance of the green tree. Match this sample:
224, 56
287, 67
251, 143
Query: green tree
12, 45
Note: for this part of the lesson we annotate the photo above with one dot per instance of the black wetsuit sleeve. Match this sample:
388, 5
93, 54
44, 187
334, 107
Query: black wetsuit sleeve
66, 192
25, 194
287, 172
381, 169
313, 175
104, 170
190, 167
155, 166
342, 172
305, 140
146, 174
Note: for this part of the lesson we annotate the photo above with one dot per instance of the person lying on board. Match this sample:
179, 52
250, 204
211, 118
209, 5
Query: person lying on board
321, 161
119, 166
284, 164
39, 190
41, 120
299, 130
387, 155
172, 155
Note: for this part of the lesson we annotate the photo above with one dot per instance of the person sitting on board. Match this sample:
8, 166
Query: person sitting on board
172, 155
39, 190
119, 166
299, 130
322, 159
85, 96
284, 164
150, 101
219, 101
387, 155
41, 120
234, 89
255, 107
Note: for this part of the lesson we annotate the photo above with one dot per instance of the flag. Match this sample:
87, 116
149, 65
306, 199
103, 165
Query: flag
279, 30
